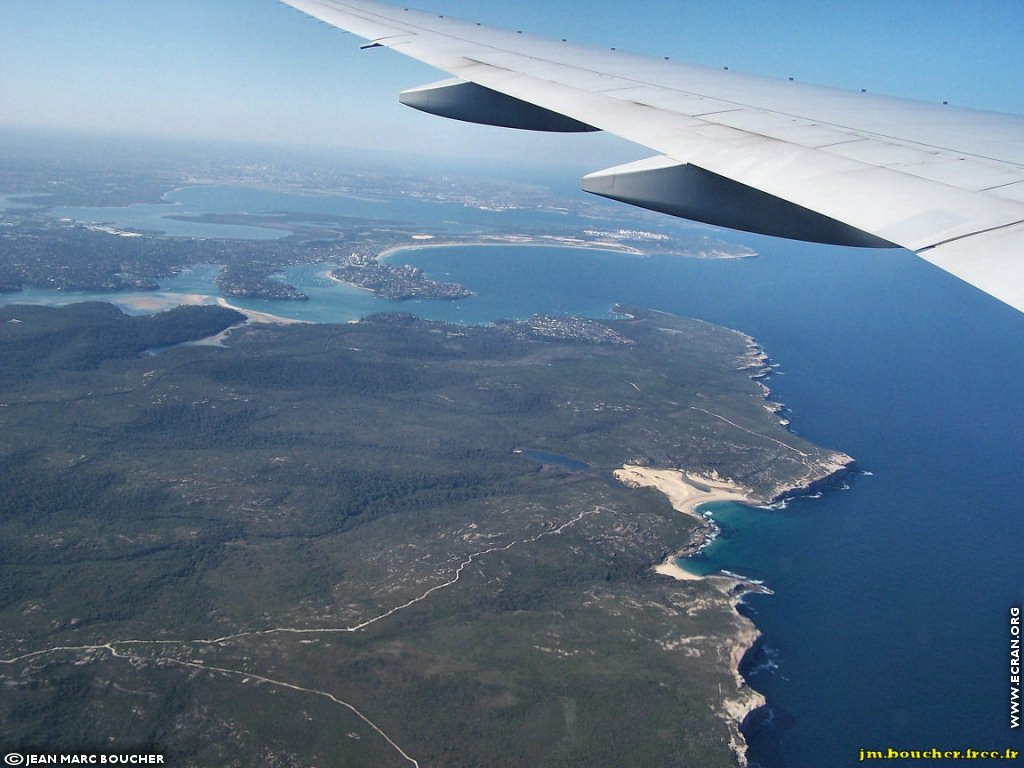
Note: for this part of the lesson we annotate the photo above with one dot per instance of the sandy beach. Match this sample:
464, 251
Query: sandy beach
161, 301
684, 490
670, 568
512, 240
258, 317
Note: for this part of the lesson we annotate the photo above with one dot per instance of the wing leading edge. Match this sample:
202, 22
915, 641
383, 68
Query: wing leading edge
742, 151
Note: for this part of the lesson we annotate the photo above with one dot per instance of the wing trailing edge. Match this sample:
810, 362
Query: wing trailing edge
838, 166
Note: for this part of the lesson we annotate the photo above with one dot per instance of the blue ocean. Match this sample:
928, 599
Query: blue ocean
889, 622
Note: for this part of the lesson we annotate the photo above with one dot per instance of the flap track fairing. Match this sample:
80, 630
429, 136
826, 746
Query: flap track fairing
472, 103
690, 192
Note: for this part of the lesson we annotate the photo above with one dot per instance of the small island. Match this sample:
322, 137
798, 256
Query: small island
397, 283
241, 282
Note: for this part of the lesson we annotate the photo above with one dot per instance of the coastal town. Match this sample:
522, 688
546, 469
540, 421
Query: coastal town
45, 244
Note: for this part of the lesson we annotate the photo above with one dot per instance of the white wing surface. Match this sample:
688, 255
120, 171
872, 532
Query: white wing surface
739, 150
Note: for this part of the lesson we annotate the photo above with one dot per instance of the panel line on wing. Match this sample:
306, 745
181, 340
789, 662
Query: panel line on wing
971, 234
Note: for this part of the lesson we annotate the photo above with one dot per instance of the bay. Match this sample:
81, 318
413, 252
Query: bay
437, 213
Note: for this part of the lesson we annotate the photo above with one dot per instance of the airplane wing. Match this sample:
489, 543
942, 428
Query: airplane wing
739, 150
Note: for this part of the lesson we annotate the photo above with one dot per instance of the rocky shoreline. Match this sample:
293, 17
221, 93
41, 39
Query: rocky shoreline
738, 706
686, 491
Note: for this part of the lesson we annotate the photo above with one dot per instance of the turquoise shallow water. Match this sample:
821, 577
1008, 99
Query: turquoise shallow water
888, 623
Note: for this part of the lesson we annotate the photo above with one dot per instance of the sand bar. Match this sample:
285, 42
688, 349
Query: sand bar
259, 317
161, 301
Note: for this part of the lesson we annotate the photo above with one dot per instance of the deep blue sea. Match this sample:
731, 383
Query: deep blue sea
888, 626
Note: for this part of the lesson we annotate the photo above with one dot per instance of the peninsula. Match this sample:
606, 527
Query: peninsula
326, 544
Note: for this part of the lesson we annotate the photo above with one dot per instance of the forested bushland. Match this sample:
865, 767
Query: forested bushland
319, 476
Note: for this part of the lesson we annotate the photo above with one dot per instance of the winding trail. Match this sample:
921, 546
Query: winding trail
112, 646
750, 432
280, 684
720, 417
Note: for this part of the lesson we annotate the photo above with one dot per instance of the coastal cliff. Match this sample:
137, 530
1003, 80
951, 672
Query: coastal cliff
686, 490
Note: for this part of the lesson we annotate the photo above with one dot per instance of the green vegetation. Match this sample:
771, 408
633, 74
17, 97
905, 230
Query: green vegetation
329, 477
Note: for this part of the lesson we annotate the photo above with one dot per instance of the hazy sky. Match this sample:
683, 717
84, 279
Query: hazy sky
256, 70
